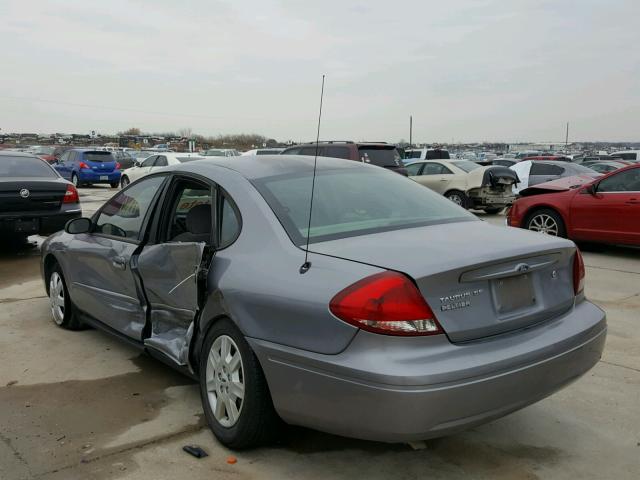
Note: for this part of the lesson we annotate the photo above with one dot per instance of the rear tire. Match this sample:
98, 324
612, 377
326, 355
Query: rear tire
115, 184
546, 221
235, 396
124, 181
75, 180
62, 310
458, 197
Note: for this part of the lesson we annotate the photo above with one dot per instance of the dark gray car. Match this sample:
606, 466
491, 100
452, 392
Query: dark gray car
398, 331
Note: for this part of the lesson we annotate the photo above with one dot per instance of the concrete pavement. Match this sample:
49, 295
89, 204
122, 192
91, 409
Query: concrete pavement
76, 405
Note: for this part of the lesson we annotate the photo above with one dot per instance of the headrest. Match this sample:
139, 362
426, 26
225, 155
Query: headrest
199, 219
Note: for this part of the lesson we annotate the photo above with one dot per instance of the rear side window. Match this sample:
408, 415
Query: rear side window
291, 151
336, 152
161, 161
187, 159
381, 156
25, 167
311, 151
98, 156
435, 169
229, 222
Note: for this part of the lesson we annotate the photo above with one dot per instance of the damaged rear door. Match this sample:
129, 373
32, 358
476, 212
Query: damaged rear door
174, 267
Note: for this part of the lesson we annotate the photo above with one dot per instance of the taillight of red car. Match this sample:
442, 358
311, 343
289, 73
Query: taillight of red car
83, 165
71, 195
388, 303
578, 273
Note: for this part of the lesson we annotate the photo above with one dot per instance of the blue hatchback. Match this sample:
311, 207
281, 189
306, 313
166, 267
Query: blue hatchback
86, 167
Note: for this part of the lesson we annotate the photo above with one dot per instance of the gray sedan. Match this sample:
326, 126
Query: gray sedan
397, 330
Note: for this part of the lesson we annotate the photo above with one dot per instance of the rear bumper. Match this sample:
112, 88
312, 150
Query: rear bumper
97, 177
37, 223
395, 389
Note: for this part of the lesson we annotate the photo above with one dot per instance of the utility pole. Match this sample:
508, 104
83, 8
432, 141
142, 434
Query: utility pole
411, 130
566, 138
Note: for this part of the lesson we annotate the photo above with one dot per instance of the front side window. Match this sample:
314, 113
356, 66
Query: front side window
149, 161
413, 169
349, 202
124, 214
626, 181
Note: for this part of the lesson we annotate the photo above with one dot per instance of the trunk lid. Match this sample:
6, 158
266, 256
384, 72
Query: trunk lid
43, 195
480, 280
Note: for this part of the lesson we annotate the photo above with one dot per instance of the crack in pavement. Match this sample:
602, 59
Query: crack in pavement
12, 300
621, 366
129, 448
16, 453
612, 269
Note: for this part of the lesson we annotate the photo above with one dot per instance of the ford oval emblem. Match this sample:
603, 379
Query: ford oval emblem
24, 193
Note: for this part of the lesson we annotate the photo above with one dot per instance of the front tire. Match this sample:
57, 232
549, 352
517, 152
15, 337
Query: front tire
546, 221
62, 310
235, 396
124, 181
75, 180
458, 197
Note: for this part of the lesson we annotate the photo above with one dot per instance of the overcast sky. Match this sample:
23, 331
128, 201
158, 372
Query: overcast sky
468, 70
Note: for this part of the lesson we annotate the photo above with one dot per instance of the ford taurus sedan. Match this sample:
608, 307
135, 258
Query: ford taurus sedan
394, 331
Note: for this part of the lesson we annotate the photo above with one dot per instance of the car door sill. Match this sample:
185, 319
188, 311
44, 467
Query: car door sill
152, 352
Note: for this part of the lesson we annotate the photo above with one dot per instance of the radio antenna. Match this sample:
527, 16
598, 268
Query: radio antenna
304, 268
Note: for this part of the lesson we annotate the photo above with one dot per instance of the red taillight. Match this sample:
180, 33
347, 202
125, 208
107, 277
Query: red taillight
387, 303
578, 273
71, 195
117, 165
83, 165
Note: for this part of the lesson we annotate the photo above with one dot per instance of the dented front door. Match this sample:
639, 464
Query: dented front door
171, 277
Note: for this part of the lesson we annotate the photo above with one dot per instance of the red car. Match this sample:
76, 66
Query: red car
557, 158
605, 210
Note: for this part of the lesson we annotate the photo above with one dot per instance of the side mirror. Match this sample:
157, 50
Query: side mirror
78, 225
591, 189
137, 164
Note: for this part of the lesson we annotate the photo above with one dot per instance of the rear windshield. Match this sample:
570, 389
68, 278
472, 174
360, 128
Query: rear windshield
25, 167
215, 153
188, 159
437, 154
350, 202
413, 154
98, 156
381, 156
466, 165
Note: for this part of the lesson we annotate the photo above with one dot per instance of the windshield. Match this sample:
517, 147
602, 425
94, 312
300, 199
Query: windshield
98, 156
466, 165
350, 202
215, 153
383, 156
188, 159
25, 167
44, 151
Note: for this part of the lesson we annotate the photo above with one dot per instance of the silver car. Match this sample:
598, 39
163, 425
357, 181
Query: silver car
400, 329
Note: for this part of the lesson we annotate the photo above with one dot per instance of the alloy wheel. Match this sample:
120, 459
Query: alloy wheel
225, 381
544, 223
56, 297
455, 198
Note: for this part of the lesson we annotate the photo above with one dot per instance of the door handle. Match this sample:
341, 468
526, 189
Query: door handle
633, 201
443, 180
119, 263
